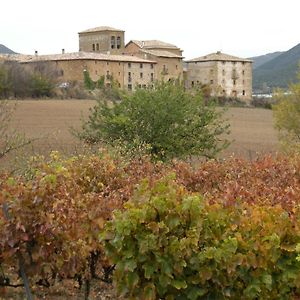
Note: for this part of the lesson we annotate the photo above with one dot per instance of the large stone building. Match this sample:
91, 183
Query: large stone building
226, 75
128, 71
104, 55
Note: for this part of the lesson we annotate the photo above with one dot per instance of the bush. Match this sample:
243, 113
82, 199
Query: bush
286, 115
168, 121
170, 244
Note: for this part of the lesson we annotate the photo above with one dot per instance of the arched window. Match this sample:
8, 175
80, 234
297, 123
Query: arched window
112, 42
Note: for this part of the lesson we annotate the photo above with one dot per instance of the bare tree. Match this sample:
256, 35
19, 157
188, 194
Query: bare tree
10, 139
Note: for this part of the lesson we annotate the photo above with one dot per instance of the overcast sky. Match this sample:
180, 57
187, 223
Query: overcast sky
238, 27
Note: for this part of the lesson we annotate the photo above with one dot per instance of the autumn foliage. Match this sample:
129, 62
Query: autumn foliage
229, 227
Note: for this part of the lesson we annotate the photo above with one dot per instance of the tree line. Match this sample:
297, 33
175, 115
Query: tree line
19, 81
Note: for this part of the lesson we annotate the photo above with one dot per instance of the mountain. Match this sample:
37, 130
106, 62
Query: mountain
262, 59
279, 71
5, 50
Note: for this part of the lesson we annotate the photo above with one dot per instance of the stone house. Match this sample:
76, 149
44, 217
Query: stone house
168, 57
226, 75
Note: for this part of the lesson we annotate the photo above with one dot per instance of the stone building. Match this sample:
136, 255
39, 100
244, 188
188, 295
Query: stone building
128, 71
168, 57
226, 75
102, 39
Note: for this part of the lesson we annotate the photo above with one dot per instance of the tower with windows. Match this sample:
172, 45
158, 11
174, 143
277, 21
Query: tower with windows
102, 40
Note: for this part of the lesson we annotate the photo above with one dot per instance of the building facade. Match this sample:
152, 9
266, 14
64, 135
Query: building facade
225, 75
167, 56
128, 72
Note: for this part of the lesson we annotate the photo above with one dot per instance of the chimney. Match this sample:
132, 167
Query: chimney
36, 53
62, 51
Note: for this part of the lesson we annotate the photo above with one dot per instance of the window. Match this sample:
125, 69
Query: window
151, 66
243, 72
112, 42
176, 67
61, 72
193, 83
107, 63
107, 75
223, 72
244, 93
223, 62
97, 47
152, 77
141, 66
144, 86
165, 70
141, 75
129, 65
95, 62
119, 64
129, 87
234, 82
129, 76
211, 82
118, 42
93, 47
139, 86
119, 73
234, 62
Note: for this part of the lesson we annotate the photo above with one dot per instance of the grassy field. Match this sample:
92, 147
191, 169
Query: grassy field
49, 121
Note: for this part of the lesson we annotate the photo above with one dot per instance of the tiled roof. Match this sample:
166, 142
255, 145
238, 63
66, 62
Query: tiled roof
218, 56
162, 53
14, 57
150, 44
101, 28
84, 56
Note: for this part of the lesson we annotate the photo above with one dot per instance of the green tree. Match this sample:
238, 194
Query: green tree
287, 116
167, 120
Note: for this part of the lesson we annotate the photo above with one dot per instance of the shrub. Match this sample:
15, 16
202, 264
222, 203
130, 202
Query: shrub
170, 244
167, 120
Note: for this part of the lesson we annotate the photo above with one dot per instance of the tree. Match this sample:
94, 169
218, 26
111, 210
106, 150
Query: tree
167, 120
287, 116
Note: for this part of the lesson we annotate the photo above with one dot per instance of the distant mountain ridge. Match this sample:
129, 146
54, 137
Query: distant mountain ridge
262, 59
5, 50
279, 71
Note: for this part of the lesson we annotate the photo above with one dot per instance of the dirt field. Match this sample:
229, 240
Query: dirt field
50, 121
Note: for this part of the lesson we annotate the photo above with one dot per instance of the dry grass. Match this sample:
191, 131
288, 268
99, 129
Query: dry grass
50, 121
252, 132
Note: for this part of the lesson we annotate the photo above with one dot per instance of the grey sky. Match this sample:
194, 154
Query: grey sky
239, 27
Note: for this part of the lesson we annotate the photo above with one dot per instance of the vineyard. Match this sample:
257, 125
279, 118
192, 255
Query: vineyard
224, 230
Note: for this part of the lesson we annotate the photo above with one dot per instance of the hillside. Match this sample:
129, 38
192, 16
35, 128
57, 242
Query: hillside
262, 59
278, 72
5, 50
